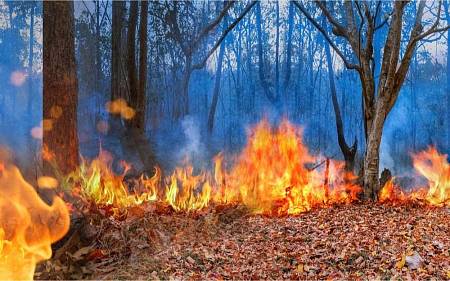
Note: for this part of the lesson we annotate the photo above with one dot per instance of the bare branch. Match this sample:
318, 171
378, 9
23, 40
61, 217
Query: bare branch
212, 25
324, 33
338, 29
202, 63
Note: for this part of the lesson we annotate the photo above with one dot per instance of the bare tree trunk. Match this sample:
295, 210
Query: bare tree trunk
261, 68
215, 98
98, 59
139, 102
447, 15
372, 156
277, 52
131, 56
289, 48
60, 95
181, 106
30, 66
117, 79
135, 139
348, 152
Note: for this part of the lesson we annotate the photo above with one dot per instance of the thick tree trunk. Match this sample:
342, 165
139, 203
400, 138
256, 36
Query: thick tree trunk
372, 154
60, 95
215, 98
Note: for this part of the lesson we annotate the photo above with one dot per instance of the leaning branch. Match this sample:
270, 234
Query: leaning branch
212, 25
324, 33
202, 63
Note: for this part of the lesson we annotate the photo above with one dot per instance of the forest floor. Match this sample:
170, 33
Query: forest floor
359, 241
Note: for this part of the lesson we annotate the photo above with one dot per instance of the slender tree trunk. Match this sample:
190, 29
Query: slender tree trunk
181, 106
448, 88
117, 79
289, 48
349, 153
140, 99
60, 95
131, 58
98, 59
261, 69
277, 52
215, 98
447, 15
30, 66
118, 76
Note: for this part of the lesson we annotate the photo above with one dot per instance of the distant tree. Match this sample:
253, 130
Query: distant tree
355, 22
190, 43
216, 90
60, 95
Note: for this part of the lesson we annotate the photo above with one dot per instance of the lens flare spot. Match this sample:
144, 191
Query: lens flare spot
120, 107
47, 124
17, 78
37, 133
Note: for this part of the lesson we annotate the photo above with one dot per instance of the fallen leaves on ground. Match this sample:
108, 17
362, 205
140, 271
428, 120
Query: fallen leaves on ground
363, 241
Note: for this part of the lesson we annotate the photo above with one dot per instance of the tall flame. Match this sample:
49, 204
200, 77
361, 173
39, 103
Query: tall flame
271, 174
28, 226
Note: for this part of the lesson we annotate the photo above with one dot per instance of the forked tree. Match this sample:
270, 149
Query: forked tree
357, 23
60, 95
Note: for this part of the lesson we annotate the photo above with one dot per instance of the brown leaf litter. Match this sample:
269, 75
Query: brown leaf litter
366, 241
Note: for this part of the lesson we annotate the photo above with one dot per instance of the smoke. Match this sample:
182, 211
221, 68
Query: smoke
394, 132
193, 148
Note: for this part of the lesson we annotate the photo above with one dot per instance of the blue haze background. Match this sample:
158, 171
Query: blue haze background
420, 117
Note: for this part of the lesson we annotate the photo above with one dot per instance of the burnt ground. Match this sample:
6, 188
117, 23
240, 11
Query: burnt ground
363, 241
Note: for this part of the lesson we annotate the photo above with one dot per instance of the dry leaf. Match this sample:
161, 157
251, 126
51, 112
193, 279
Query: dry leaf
401, 263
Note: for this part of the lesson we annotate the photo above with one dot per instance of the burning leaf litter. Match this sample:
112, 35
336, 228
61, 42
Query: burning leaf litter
206, 224
270, 176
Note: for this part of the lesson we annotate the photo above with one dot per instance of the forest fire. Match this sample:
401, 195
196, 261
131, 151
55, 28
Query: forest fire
273, 175
435, 168
28, 226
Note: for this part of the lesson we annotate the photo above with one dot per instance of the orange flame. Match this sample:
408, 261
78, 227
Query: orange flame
102, 186
28, 226
435, 168
274, 174
270, 176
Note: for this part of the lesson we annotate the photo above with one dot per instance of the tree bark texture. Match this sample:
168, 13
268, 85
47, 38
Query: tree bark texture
60, 95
